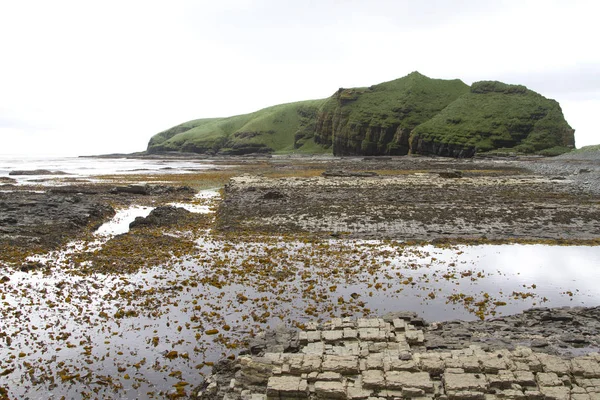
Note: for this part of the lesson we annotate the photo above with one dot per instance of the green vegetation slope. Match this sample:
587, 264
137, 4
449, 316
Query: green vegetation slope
491, 116
414, 114
378, 120
282, 128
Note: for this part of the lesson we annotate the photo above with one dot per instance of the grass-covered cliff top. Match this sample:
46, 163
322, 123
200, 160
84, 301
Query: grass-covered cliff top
407, 101
495, 115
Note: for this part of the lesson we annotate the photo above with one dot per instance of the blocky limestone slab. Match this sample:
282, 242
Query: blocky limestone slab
587, 367
401, 365
465, 382
371, 359
372, 334
554, 364
329, 376
524, 378
401, 379
466, 395
345, 365
350, 333
503, 380
491, 364
433, 366
548, 379
373, 379
286, 386
358, 393
330, 390
332, 336
511, 394
414, 336
369, 323
555, 392
374, 361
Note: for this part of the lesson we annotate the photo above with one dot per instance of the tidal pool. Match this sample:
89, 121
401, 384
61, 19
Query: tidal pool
148, 333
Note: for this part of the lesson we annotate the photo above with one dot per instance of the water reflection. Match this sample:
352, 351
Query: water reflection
70, 333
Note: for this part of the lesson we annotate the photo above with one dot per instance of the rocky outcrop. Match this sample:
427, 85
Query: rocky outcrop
378, 120
495, 116
46, 220
36, 172
391, 357
161, 216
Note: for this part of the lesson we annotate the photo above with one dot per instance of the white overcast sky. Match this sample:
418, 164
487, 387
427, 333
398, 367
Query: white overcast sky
92, 77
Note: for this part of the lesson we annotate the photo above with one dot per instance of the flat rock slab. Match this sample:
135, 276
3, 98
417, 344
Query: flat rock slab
374, 365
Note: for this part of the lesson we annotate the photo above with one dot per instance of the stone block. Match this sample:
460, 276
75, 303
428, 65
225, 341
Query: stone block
374, 361
329, 376
414, 337
332, 336
303, 337
295, 363
503, 380
466, 395
372, 334
402, 379
358, 393
286, 386
337, 323
316, 348
345, 365
548, 379
580, 396
330, 390
399, 325
311, 362
534, 364
411, 392
491, 364
554, 364
555, 392
524, 378
401, 365
534, 395
367, 323
465, 382
433, 366
373, 379
350, 333
587, 367
470, 364
313, 336
511, 394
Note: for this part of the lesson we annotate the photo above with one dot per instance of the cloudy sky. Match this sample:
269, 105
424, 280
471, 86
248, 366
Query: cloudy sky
91, 77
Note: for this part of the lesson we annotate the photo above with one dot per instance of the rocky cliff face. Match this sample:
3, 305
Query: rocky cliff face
378, 120
492, 116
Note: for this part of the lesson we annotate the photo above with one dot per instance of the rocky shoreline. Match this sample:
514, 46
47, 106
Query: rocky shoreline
539, 354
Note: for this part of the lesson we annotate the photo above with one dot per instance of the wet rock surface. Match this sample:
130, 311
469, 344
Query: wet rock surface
422, 199
161, 216
47, 219
36, 172
390, 357
37, 221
